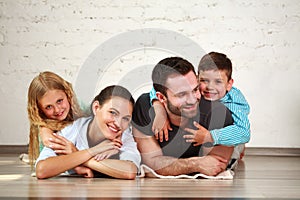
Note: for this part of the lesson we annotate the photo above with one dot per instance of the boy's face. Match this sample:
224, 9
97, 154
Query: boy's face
214, 84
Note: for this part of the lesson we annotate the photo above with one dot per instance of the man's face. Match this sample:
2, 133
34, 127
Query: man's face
183, 95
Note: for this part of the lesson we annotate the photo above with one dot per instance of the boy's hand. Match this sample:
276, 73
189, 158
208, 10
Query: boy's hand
199, 136
161, 124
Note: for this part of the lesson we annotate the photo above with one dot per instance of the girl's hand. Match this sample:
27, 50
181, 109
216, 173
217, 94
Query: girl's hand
61, 145
45, 134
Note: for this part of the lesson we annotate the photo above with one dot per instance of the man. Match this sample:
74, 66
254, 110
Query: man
175, 82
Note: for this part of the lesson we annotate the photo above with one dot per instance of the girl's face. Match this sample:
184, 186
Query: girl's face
214, 84
113, 117
55, 105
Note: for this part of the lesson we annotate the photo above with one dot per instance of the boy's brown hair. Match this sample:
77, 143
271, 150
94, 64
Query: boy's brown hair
216, 61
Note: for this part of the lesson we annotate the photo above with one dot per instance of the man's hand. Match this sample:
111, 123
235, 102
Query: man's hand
211, 165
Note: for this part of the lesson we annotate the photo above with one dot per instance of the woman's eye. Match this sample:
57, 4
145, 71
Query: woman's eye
113, 113
127, 119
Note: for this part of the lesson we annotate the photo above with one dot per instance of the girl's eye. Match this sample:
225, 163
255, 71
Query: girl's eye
60, 101
48, 107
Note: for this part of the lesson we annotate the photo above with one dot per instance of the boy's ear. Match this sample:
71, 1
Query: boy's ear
95, 107
229, 85
161, 98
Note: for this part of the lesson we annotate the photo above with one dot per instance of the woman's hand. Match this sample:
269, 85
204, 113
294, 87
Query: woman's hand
85, 171
105, 146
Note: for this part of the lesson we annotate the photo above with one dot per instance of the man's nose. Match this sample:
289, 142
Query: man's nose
193, 97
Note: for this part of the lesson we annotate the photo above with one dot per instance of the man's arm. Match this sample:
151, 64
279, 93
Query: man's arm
152, 156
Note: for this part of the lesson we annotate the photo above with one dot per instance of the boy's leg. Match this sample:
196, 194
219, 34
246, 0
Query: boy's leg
222, 151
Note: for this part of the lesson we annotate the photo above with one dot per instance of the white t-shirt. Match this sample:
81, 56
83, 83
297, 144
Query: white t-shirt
77, 134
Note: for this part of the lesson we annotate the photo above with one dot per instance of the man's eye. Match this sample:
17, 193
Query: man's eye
180, 95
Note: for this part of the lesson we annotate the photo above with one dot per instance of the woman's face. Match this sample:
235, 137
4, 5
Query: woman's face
113, 117
55, 105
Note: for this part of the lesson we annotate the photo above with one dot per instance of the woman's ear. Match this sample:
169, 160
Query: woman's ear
162, 98
95, 107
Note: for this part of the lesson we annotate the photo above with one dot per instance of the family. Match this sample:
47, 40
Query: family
186, 124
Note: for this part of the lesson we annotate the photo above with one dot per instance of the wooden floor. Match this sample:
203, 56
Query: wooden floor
257, 177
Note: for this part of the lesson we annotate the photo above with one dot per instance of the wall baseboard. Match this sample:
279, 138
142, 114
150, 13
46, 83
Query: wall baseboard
257, 151
13, 149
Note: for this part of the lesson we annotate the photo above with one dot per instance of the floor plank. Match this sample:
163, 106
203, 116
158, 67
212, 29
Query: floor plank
257, 177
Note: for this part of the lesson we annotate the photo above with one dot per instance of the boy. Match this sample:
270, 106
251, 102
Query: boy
215, 84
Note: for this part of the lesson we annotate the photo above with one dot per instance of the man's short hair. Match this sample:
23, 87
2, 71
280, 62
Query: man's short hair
165, 68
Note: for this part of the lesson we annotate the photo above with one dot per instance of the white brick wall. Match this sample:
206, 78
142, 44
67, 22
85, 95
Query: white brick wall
260, 36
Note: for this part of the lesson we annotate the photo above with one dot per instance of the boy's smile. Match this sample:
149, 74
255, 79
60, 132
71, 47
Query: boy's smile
214, 84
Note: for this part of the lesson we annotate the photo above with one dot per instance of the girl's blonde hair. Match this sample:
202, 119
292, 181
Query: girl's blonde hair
42, 83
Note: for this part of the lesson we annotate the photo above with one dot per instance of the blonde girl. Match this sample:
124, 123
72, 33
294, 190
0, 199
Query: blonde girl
52, 105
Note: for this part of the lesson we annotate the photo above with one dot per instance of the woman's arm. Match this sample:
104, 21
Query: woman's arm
122, 169
49, 166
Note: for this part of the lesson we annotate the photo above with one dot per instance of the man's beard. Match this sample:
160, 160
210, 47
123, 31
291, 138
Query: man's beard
180, 112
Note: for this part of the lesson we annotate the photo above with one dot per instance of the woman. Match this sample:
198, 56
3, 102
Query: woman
97, 139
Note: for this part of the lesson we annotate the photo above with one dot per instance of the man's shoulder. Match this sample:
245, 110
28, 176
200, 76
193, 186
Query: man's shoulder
141, 115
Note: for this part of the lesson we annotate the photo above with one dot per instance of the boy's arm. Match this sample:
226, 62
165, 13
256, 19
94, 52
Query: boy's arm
161, 123
239, 132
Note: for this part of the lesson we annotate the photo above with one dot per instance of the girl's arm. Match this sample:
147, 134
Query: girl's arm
56, 142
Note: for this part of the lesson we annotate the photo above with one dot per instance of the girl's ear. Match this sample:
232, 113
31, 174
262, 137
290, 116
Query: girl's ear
229, 85
95, 107
162, 98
